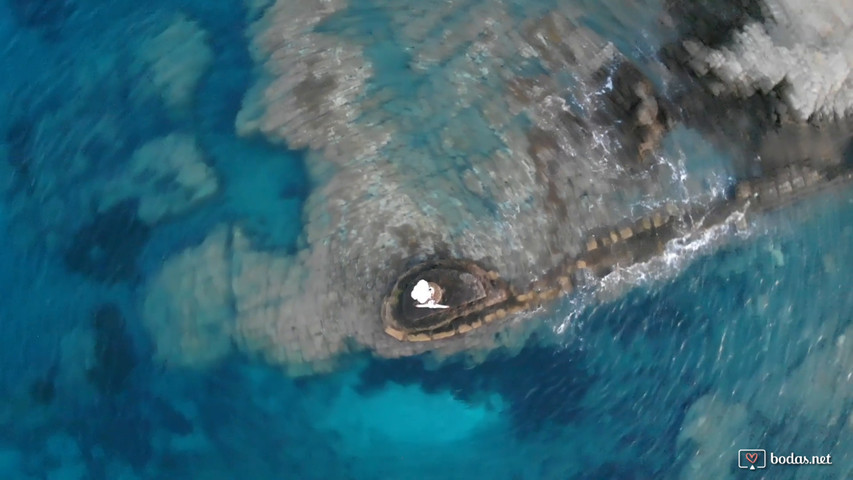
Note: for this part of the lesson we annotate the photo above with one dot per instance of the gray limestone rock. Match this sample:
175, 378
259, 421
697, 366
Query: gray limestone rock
802, 49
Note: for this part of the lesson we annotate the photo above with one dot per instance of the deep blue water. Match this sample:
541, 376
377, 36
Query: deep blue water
753, 336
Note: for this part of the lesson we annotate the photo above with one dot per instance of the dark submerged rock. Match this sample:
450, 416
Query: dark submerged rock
107, 248
848, 154
46, 16
170, 418
43, 389
122, 430
114, 352
18, 139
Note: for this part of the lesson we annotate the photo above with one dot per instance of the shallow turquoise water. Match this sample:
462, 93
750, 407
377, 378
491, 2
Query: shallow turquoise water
754, 324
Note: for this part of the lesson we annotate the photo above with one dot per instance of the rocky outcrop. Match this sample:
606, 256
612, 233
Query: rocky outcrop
802, 51
712, 22
642, 116
492, 139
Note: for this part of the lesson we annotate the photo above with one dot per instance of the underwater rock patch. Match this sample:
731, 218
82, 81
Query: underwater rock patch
53, 180
188, 305
114, 354
107, 248
45, 16
43, 390
174, 61
18, 139
167, 176
711, 426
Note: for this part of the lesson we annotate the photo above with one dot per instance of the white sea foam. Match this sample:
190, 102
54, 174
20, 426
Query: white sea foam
677, 255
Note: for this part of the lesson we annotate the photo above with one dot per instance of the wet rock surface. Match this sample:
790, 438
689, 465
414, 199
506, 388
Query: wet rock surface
641, 114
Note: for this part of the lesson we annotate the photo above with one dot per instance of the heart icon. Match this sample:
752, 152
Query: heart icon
752, 457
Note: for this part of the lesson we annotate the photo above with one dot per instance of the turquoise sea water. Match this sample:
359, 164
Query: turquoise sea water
748, 347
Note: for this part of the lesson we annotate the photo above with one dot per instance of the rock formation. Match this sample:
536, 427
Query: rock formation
487, 157
506, 142
802, 50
